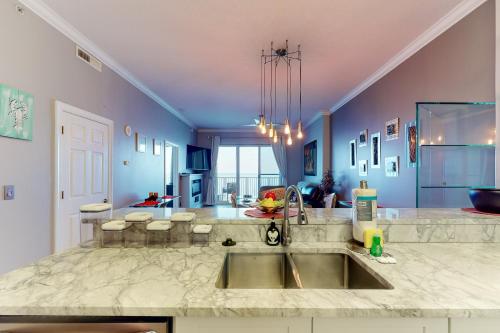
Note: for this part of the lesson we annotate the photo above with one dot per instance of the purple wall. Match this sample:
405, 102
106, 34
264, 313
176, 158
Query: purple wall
457, 66
42, 61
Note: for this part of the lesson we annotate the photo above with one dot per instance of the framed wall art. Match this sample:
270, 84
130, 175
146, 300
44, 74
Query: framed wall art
352, 154
392, 166
16, 113
411, 144
375, 150
392, 129
363, 168
140, 143
310, 158
363, 138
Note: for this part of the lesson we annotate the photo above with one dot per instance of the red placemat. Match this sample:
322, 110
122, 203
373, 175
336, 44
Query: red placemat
475, 211
261, 215
147, 204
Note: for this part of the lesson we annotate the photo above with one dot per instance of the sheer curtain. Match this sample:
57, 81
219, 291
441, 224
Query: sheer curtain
212, 176
279, 151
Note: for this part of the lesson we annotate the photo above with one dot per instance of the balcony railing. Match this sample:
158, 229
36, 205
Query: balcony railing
245, 186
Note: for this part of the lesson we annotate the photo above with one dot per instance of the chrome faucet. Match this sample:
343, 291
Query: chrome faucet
286, 239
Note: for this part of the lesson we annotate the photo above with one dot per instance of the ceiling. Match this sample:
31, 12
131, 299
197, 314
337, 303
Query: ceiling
202, 57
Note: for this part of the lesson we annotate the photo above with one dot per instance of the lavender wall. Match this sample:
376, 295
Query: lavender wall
457, 66
42, 61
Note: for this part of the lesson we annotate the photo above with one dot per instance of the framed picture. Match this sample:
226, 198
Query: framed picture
392, 166
363, 168
16, 113
352, 153
310, 158
411, 144
156, 147
363, 138
375, 150
392, 129
140, 143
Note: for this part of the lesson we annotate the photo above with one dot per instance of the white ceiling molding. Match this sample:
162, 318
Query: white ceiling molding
443, 24
317, 117
51, 17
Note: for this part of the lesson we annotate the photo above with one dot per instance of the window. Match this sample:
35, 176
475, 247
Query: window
244, 169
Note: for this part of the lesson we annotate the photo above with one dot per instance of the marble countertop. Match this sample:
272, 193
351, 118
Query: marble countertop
390, 216
430, 280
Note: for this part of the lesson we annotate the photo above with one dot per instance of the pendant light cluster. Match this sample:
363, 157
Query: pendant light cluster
269, 108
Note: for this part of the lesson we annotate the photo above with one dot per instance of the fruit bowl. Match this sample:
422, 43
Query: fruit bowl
270, 206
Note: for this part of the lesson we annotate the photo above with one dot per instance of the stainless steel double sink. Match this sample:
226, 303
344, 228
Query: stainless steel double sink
336, 270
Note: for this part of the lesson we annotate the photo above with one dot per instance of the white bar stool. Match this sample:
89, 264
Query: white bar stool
91, 217
112, 228
158, 227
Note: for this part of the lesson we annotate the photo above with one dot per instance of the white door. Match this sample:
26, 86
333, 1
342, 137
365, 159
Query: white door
84, 169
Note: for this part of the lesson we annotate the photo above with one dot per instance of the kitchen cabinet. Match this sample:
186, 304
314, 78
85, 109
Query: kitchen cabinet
482, 325
242, 325
386, 325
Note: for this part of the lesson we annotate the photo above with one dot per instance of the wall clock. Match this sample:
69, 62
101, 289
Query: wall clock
128, 130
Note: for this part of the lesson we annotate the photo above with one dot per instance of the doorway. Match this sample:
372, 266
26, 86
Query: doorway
83, 169
171, 184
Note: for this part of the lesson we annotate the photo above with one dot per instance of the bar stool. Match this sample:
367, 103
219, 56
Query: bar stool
201, 234
91, 217
112, 228
158, 227
136, 236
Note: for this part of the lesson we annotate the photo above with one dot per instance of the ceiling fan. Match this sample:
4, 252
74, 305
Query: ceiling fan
257, 122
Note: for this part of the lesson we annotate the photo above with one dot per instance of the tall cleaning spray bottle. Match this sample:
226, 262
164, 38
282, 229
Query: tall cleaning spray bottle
364, 210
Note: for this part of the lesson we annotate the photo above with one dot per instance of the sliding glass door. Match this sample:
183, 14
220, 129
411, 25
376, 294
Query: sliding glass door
243, 170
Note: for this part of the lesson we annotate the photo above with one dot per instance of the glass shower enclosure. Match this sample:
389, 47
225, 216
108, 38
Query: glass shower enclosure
456, 152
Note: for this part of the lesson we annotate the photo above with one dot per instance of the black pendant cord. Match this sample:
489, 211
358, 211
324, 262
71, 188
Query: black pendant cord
300, 84
264, 88
290, 94
261, 85
275, 104
271, 86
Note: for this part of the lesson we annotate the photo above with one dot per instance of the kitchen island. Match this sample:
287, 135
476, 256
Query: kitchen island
434, 285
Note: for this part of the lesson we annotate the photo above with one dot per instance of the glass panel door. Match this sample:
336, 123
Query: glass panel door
269, 172
248, 171
226, 173
243, 170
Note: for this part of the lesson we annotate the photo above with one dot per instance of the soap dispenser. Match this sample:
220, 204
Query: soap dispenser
272, 234
364, 210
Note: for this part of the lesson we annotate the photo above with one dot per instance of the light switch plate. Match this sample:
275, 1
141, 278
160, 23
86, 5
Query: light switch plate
9, 192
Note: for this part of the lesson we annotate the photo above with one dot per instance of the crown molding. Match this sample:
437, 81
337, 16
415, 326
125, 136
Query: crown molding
317, 117
55, 20
456, 14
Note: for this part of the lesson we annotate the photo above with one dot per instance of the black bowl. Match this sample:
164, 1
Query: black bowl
485, 199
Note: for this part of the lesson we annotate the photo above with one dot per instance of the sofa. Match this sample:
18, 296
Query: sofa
312, 194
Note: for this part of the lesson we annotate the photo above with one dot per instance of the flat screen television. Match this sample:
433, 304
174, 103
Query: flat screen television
198, 158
